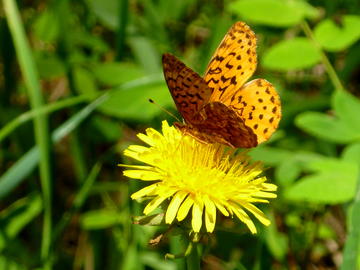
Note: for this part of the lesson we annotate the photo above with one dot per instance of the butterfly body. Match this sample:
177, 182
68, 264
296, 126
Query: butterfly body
220, 108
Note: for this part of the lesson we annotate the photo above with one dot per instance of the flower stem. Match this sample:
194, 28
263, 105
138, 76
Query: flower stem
193, 258
329, 68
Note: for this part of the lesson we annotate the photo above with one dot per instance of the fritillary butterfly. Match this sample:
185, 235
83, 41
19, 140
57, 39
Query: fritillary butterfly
221, 107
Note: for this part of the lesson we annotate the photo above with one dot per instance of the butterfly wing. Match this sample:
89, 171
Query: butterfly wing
233, 62
188, 89
258, 104
217, 122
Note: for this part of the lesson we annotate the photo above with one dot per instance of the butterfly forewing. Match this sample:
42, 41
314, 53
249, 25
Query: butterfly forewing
221, 108
233, 62
258, 104
188, 89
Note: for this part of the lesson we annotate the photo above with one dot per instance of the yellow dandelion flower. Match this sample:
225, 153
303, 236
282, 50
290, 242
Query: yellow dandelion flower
199, 177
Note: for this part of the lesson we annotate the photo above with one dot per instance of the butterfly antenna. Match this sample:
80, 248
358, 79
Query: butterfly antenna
164, 110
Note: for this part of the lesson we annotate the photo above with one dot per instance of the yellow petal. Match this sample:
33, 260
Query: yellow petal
142, 174
138, 148
184, 208
146, 139
257, 213
222, 209
151, 206
245, 218
210, 214
197, 211
146, 191
174, 206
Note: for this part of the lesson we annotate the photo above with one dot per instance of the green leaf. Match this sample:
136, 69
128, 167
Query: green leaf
269, 155
326, 127
297, 53
333, 182
114, 73
146, 54
107, 11
84, 83
99, 219
287, 171
351, 153
279, 13
134, 103
46, 26
334, 37
346, 106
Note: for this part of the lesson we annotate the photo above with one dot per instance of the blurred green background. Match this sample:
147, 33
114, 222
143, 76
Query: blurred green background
75, 79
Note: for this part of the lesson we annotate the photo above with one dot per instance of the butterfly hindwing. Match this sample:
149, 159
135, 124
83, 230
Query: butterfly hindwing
221, 108
258, 104
216, 122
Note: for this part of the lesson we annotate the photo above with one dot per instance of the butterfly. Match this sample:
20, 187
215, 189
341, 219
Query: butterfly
221, 107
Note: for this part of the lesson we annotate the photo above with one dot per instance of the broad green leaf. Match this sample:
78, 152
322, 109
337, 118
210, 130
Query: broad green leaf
146, 54
279, 13
346, 107
114, 73
46, 26
336, 37
333, 182
99, 219
326, 127
270, 155
84, 83
287, 171
297, 53
323, 188
107, 11
134, 103
352, 153
330, 164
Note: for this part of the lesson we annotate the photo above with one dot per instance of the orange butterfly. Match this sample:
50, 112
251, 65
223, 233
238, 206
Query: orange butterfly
220, 108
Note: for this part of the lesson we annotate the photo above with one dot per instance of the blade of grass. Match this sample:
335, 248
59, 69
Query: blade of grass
47, 109
24, 166
41, 129
78, 201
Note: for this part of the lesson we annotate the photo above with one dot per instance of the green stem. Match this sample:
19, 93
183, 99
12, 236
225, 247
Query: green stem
121, 32
193, 259
329, 68
46, 109
41, 129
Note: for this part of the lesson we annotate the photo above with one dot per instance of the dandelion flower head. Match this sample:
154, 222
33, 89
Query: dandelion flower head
198, 178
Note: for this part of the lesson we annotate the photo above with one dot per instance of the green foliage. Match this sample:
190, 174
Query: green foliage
279, 13
80, 74
297, 53
336, 37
